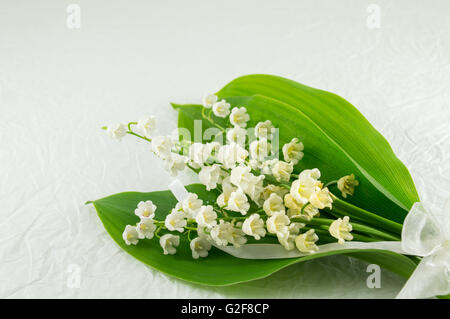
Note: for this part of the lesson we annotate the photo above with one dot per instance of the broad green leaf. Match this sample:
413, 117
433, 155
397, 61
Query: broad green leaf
345, 127
218, 268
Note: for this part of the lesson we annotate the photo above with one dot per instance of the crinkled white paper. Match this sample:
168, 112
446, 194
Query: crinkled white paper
58, 86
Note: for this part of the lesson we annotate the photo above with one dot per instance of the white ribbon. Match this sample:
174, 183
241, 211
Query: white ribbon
276, 251
424, 234
178, 190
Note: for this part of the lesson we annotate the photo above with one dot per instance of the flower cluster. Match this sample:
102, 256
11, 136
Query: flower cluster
259, 194
145, 228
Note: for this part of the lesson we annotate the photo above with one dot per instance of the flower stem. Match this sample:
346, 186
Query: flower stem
356, 227
157, 231
130, 131
129, 125
331, 183
140, 136
343, 208
208, 118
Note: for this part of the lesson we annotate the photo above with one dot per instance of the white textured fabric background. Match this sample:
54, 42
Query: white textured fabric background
130, 58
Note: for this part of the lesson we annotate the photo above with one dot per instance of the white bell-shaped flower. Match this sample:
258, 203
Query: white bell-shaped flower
117, 131
295, 208
236, 135
254, 226
292, 151
227, 190
178, 208
241, 177
239, 116
305, 186
168, 243
340, 229
278, 222
209, 100
321, 199
130, 235
312, 173
282, 171
347, 185
255, 188
264, 130
306, 242
175, 221
145, 209
206, 217
146, 228
259, 149
238, 237
191, 204
238, 202
209, 176
162, 146
221, 108
222, 233
267, 165
273, 204
250, 184
255, 165
147, 126
286, 239
197, 154
200, 247
175, 163
231, 154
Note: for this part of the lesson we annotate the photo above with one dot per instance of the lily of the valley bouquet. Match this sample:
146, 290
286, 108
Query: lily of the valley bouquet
286, 173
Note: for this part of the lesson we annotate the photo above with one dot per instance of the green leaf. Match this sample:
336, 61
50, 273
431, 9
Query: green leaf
350, 138
218, 268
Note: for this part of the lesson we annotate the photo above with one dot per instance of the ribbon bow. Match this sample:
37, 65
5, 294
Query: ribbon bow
427, 235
